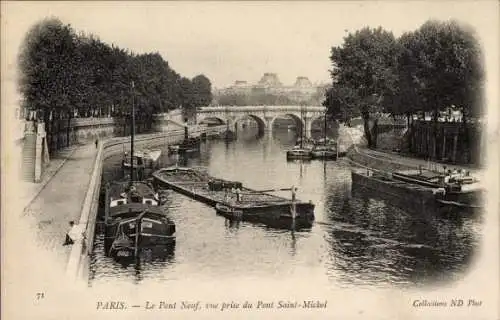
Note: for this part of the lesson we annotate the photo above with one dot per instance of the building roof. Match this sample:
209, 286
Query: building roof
302, 82
270, 79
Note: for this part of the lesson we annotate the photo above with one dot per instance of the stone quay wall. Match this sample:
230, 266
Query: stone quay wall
80, 254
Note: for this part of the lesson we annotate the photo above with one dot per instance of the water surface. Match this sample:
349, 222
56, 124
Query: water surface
355, 241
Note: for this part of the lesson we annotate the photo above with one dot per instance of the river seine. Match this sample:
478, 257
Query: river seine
355, 241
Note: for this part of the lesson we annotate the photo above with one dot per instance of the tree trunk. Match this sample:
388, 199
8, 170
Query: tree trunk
48, 121
443, 154
374, 133
455, 143
58, 134
427, 139
54, 131
68, 128
410, 132
366, 127
434, 135
465, 141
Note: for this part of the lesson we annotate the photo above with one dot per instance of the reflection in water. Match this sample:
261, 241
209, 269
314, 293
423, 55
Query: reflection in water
382, 244
232, 225
131, 268
355, 240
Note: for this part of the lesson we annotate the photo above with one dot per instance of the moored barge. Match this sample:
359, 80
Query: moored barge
188, 145
324, 152
416, 196
135, 219
299, 153
235, 202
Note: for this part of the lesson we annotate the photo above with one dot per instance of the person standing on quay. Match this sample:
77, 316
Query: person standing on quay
96, 143
74, 234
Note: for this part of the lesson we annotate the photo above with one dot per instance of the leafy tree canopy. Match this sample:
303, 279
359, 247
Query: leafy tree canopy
65, 71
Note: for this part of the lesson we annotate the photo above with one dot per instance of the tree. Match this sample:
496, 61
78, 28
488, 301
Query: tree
364, 69
202, 91
441, 66
443, 61
63, 73
46, 61
341, 104
195, 93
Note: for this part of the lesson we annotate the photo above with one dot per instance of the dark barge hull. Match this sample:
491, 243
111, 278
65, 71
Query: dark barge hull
144, 254
327, 156
415, 199
279, 222
279, 217
299, 156
271, 214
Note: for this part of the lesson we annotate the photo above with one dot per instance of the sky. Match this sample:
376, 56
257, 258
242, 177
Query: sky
228, 41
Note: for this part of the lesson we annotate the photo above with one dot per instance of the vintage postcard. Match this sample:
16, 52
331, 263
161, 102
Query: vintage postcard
248, 160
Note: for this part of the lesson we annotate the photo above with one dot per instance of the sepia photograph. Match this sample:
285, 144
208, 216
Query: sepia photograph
250, 159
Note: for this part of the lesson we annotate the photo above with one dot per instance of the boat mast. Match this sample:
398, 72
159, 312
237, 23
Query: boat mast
136, 240
324, 129
132, 137
302, 127
294, 207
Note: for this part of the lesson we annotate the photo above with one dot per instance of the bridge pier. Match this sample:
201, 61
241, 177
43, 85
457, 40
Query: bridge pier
308, 127
268, 124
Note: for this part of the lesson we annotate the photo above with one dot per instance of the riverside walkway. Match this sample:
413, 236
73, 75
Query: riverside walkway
390, 159
68, 192
415, 162
59, 198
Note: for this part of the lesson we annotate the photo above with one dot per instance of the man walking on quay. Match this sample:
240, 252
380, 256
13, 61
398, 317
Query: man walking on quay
96, 143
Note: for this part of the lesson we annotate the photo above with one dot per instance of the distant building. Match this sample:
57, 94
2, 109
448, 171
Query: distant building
302, 82
270, 80
240, 83
301, 91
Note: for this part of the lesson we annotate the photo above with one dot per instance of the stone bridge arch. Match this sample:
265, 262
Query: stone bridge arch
264, 115
318, 120
299, 122
211, 119
262, 123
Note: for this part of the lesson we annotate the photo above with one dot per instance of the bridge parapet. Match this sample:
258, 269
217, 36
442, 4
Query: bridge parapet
262, 109
264, 115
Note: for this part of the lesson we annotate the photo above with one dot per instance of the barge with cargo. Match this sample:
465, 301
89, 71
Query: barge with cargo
236, 202
421, 192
